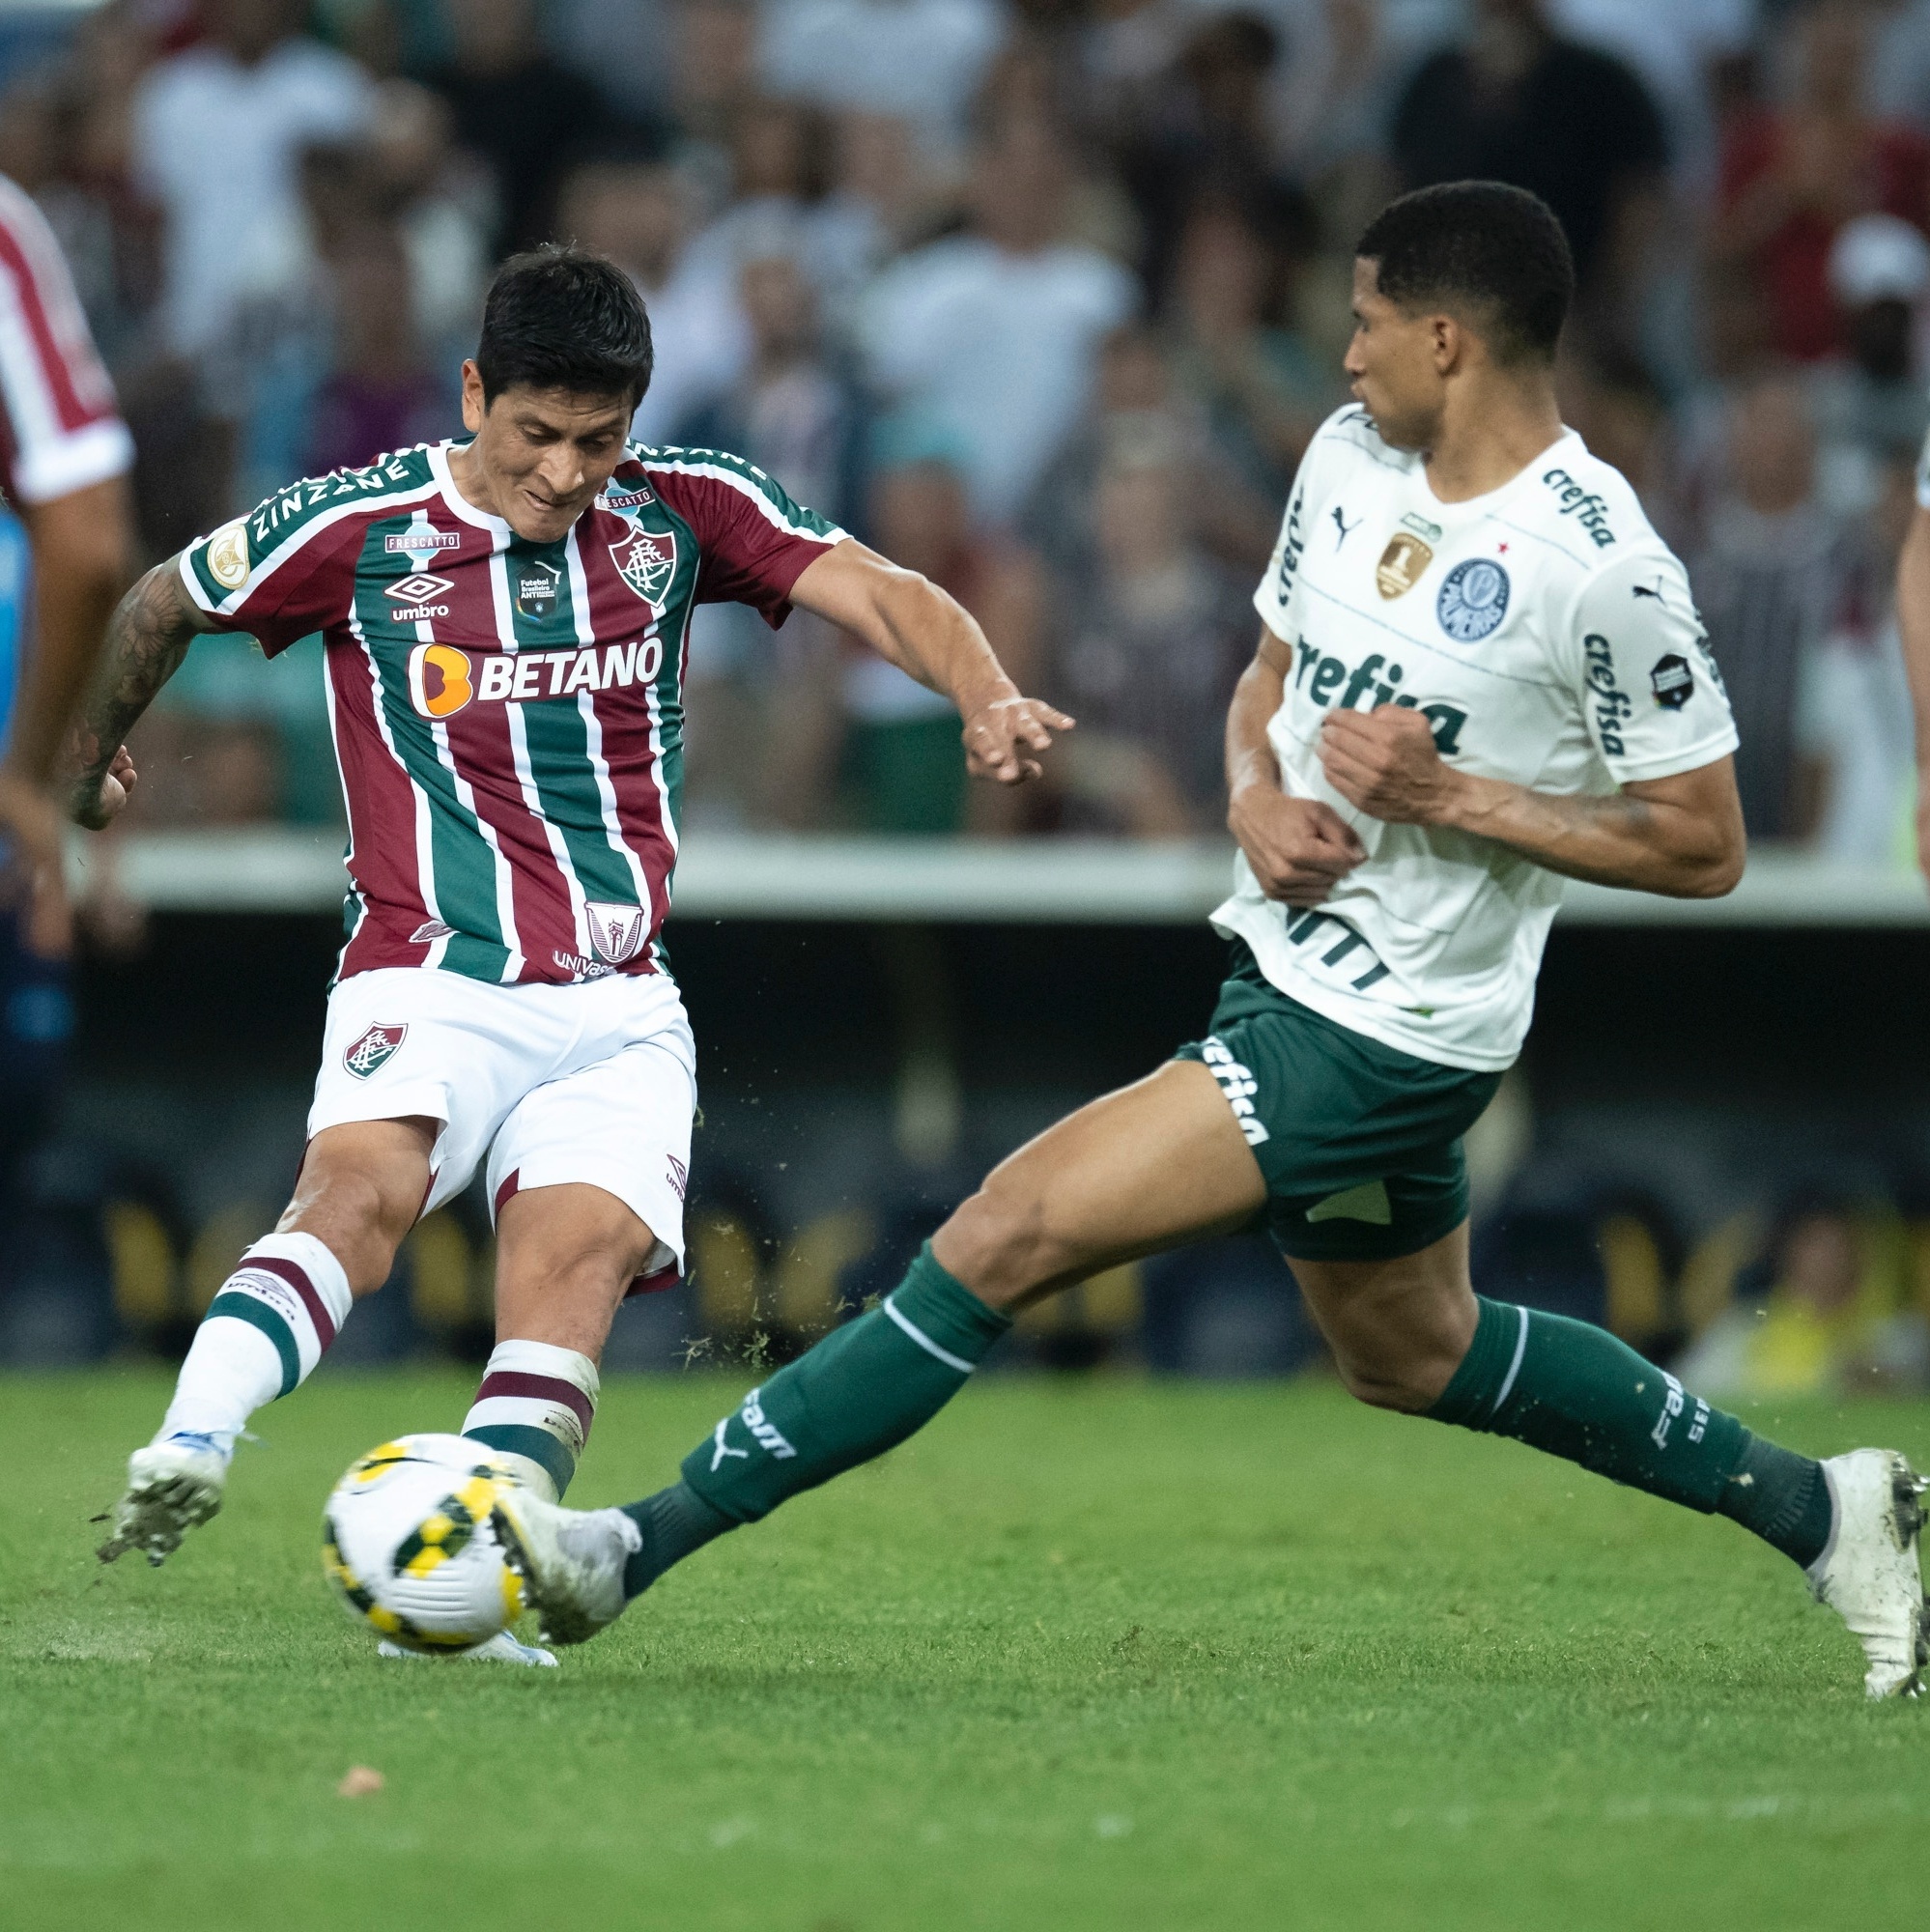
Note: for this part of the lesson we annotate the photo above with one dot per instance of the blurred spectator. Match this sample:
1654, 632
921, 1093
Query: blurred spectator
217, 130
1518, 103
444, 207
901, 748
1854, 708
1136, 397
518, 110
637, 214
1792, 175
1148, 648
793, 414
1211, 132
1769, 582
1826, 1321
1615, 405
992, 332
381, 392
1237, 349
918, 59
618, 46
790, 412
1870, 404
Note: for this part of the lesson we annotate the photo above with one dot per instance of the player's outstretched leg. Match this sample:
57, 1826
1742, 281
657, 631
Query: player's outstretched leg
565, 1255
273, 1322
1410, 1334
1160, 1162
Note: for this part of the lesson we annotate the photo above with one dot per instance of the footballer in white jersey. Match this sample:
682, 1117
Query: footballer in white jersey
1479, 672
1548, 637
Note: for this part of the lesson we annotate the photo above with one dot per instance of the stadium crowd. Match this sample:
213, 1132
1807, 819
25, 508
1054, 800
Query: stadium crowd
1043, 297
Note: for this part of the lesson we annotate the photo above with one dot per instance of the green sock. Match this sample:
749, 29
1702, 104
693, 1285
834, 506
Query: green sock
1576, 1392
859, 1392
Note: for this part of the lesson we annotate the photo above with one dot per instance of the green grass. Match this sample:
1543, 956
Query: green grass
1084, 1655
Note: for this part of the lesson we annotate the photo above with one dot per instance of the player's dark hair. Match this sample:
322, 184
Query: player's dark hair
561, 318
1497, 250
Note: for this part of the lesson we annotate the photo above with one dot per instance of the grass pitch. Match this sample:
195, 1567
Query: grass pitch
1083, 1655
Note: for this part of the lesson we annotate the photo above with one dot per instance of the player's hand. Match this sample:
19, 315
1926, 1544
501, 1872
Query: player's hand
97, 803
1000, 736
1300, 849
1385, 762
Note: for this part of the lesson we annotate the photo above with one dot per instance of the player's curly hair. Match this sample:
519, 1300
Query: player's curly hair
1495, 249
562, 318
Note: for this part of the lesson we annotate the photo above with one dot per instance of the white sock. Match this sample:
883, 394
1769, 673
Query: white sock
262, 1336
536, 1404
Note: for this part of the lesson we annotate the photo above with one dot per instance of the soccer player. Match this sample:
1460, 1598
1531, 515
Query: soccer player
65, 553
505, 619
1480, 671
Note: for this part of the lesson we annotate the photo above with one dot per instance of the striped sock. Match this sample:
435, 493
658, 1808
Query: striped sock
262, 1336
536, 1402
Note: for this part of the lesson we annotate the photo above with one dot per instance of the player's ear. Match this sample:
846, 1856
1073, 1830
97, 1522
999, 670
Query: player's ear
474, 405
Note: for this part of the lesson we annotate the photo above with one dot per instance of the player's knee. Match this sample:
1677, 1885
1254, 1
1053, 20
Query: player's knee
1406, 1386
1001, 1242
351, 1216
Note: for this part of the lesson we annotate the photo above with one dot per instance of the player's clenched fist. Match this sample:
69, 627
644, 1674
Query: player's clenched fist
1000, 735
1298, 849
1385, 762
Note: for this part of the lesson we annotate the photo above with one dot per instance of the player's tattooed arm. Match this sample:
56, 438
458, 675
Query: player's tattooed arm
910, 622
147, 637
1300, 849
1681, 837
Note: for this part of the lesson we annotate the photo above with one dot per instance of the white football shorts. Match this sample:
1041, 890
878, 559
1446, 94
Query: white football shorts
594, 1082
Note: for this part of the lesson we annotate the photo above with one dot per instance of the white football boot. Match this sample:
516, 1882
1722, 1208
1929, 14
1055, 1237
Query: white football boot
1869, 1573
501, 1648
571, 1562
172, 1486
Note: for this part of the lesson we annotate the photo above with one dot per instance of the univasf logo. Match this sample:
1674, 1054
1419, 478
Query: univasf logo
618, 932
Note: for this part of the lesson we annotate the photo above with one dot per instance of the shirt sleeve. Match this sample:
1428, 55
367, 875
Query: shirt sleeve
1647, 681
753, 540
278, 583
1277, 597
62, 429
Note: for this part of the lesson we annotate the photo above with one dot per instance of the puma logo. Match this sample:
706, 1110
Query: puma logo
725, 1449
1344, 528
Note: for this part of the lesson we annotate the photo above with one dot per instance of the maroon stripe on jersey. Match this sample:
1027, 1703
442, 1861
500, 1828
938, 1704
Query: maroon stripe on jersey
511, 1183
539, 1389
654, 1284
49, 353
297, 1277
382, 819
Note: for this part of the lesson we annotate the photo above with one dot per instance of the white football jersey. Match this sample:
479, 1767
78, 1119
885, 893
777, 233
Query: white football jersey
1548, 635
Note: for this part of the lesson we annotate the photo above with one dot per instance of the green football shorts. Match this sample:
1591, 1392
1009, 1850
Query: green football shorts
1360, 1143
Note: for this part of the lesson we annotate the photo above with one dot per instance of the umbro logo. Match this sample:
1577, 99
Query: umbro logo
417, 588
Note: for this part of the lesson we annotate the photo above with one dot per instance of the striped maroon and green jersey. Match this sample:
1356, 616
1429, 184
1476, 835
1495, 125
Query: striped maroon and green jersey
508, 716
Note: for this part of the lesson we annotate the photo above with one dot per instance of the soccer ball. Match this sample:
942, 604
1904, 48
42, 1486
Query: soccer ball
408, 1545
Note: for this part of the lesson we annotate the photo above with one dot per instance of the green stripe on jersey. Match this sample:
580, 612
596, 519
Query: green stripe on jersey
554, 729
463, 867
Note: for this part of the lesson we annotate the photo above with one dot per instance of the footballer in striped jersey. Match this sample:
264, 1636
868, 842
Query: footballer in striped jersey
504, 618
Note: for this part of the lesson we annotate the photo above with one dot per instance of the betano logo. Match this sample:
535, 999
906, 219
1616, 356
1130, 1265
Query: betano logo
443, 680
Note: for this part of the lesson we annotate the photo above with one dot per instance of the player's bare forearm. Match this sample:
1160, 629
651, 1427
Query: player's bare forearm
910, 622
147, 637
1681, 837
1913, 623
1298, 849
81, 544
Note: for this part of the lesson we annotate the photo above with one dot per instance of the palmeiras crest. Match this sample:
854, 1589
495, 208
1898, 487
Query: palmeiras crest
618, 932
376, 1048
646, 560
